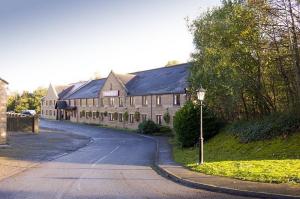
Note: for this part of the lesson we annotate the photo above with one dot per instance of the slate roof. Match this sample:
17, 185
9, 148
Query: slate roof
71, 89
172, 79
89, 90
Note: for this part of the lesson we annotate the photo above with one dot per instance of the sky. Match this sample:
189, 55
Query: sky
65, 41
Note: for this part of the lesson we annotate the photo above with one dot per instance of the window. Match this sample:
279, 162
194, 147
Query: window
144, 117
86, 102
111, 101
144, 100
158, 100
101, 102
80, 102
176, 99
46, 112
159, 119
42, 112
131, 118
120, 102
120, 117
131, 101
46, 103
110, 115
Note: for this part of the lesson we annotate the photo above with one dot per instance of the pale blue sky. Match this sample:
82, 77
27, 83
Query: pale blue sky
63, 41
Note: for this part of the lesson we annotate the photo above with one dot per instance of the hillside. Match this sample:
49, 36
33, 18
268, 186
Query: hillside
276, 160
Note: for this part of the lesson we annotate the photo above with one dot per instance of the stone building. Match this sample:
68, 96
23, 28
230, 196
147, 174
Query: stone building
3, 120
125, 100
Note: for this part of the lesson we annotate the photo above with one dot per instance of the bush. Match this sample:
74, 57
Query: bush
167, 117
165, 130
148, 127
137, 116
277, 124
187, 124
126, 115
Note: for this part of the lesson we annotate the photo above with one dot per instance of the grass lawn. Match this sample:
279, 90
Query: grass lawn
276, 161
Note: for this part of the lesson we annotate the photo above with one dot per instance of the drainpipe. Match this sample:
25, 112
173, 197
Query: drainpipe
151, 106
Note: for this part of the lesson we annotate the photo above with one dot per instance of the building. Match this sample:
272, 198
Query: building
3, 120
123, 100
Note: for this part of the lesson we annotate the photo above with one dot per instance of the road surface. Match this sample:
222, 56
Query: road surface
115, 165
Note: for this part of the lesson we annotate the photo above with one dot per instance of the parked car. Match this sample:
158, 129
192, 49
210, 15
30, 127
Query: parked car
29, 112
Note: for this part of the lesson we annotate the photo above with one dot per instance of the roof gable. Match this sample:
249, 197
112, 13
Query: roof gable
51, 93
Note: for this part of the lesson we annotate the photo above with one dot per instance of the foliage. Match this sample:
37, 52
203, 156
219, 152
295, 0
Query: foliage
247, 57
126, 116
167, 117
82, 113
276, 160
187, 124
172, 63
26, 100
148, 127
277, 124
115, 116
137, 116
164, 130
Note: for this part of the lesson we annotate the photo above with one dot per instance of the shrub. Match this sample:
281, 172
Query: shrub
167, 117
126, 115
137, 116
165, 130
187, 124
277, 124
148, 127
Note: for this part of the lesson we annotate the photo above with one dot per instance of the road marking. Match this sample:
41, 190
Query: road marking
61, 194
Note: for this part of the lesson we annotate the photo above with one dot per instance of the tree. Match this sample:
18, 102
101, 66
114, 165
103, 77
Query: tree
172, 62
247, 56
26, 100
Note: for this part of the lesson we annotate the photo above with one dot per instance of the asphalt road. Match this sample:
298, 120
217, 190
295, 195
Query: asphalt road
115, 165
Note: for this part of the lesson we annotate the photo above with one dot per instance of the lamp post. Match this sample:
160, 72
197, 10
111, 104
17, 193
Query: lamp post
200, 96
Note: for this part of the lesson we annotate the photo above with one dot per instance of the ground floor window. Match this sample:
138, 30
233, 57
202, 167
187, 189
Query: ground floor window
110, 116
120, 117
144, 117
46, 112
94, 114
159, 119
50, 113
131, 118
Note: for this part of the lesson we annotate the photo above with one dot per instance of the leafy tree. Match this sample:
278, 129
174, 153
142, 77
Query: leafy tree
247, 57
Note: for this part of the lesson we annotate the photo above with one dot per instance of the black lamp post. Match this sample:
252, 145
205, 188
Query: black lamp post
200, 96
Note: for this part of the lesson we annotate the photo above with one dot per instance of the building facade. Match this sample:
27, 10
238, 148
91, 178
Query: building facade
3, 119
125, 100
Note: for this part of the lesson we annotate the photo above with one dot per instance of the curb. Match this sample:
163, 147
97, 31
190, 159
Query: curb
167, 174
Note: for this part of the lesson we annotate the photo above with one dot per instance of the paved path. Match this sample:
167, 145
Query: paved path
115, 165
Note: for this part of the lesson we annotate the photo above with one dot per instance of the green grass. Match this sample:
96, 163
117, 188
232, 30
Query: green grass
276, 160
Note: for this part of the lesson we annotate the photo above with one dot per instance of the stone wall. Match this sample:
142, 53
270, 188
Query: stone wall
3, 101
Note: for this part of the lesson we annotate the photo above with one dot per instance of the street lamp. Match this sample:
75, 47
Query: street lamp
200, 96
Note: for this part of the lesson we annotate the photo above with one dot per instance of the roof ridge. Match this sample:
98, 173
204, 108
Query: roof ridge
176, 65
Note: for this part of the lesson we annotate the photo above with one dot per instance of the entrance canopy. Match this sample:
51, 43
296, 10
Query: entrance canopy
64, 105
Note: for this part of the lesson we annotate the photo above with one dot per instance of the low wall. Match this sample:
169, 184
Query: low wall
22, 123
